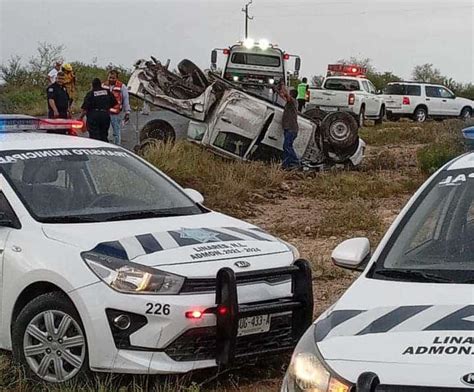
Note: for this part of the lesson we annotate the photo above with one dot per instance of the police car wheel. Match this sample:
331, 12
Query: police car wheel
49, 339
158, 130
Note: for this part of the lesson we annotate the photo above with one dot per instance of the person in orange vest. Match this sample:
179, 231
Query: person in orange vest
69, 82
120, 92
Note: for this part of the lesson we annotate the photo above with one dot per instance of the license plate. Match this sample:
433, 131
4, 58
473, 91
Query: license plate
254, 324
329, 108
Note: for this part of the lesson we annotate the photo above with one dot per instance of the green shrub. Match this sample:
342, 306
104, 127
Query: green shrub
432, 157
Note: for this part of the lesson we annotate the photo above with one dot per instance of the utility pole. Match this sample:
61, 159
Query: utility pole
247, 17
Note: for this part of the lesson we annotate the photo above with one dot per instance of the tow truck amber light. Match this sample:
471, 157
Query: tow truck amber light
194, 314
406, 100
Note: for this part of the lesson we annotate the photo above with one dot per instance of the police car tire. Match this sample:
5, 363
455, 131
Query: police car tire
158, 130
187, 67
340, 139
45, 302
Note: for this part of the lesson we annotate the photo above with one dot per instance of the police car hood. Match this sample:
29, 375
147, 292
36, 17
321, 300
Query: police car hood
408, 333
172, 241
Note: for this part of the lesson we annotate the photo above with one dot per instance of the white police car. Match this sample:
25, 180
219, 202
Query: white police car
107, 263
407, 323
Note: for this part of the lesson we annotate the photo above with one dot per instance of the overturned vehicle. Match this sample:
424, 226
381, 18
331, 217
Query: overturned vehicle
234, 123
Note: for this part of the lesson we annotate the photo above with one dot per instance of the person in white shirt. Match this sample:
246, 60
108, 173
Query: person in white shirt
52, 75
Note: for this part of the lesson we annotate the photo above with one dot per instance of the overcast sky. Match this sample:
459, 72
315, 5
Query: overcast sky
396, 35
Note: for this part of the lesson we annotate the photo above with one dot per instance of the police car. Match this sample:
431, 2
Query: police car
108, 264
407, 324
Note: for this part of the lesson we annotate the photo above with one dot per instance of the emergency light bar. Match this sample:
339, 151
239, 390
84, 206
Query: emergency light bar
16, 123
346, 70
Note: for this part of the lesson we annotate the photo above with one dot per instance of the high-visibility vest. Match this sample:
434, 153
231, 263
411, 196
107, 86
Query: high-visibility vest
116, 90
302, 90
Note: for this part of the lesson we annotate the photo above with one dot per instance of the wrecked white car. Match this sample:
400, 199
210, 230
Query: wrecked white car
236, 124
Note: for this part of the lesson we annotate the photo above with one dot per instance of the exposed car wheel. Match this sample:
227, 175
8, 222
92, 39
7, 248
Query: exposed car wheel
420, 115
361, 119
315, 114
379, 119
340, 134
158, 130
466, 113
49, 339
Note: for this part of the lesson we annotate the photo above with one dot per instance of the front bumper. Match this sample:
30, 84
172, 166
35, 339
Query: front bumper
175, 344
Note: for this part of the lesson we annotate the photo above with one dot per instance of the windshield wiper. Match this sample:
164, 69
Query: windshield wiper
68, 219
413, 275
142, 215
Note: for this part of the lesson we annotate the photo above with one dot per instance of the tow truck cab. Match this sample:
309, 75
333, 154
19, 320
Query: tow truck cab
256, 64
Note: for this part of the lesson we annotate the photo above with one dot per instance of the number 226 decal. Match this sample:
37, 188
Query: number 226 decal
158, 309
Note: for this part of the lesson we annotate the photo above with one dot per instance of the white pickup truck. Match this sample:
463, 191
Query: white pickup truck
348, 93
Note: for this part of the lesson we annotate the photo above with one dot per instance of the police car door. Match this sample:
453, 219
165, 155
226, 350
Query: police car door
8, 222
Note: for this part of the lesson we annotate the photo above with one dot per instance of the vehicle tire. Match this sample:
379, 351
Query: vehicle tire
315, 114
379, 119
466, 114
420, 115
158, 130
361, 119
339, 131
49, 340
188, 68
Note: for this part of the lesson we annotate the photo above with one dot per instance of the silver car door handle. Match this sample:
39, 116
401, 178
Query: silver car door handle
272, 138
428, 99
226, 120
444, 100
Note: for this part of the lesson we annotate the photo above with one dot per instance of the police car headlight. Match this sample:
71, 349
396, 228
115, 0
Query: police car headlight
128, 277
308, 372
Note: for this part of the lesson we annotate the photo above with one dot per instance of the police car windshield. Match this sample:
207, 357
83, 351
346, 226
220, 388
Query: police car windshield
91, 185
437, 234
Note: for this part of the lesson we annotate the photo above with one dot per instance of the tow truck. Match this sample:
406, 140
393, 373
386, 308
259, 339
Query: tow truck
346, 88
256, 66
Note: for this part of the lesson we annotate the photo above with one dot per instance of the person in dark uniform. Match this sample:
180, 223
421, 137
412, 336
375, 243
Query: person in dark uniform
58, 102
96, 106
58, 98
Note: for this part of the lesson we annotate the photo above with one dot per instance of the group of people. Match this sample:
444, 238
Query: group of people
106, 104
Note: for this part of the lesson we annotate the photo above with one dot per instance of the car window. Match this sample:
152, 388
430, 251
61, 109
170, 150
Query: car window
365, 85
340, 84
445, 93
413, 90
97, 184
438, 232
372, 88
433, 91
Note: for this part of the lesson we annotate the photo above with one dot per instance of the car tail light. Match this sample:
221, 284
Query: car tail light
286, 56
226, 52
406, 100
194, 314
351, 99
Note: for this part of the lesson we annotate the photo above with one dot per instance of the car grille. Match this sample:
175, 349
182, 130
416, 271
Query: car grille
209, 285
199, 344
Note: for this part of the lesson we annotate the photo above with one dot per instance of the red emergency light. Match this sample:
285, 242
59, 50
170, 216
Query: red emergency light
226, 51
346, 70
194, 314
286, 56
73, 126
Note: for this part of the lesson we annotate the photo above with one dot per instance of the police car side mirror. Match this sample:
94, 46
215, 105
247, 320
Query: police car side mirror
297, 65
214, 59
195, 196
352, 254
